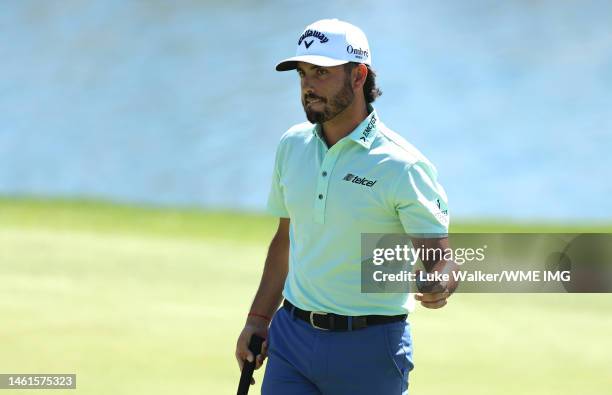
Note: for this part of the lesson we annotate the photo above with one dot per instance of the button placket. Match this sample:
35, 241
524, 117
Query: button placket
327, 165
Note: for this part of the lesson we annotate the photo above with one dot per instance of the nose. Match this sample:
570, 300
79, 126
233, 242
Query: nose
307, 85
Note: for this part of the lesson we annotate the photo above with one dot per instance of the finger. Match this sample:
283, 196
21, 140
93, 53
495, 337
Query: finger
240, 357
264, 347
240, 362
259, 361
434, 297
431, 297
241, 351
432, 300
434, 305
262, 356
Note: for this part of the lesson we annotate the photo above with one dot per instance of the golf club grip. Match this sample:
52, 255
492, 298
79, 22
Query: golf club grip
249, 367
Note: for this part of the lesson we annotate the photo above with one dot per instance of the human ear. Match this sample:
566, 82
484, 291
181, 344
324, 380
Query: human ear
361, 73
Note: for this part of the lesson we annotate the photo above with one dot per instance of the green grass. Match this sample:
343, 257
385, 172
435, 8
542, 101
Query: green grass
150, 301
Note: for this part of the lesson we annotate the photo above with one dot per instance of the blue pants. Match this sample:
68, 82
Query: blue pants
306, 360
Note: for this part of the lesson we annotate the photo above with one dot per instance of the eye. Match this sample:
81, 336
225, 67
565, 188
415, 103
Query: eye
300, 73
321, 71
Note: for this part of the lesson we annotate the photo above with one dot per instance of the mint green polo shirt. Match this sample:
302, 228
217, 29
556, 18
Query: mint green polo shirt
371, 181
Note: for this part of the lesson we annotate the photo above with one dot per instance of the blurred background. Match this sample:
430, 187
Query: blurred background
137, 141
178, 103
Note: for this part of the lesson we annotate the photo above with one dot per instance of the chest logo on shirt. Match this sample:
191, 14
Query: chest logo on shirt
359, 180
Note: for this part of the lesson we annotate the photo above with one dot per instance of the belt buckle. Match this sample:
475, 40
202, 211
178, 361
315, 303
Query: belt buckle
312, 313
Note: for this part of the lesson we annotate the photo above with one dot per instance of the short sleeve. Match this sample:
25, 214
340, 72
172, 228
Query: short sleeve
420, 201
276, 197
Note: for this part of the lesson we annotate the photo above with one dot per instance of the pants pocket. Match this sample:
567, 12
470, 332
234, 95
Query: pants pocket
399, 347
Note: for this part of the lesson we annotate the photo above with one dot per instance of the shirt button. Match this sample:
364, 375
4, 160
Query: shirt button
324, 173
320, 196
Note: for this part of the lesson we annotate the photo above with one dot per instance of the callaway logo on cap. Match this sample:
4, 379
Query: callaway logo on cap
329, 42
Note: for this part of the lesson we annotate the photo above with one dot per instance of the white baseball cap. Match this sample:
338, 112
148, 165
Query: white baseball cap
329, 42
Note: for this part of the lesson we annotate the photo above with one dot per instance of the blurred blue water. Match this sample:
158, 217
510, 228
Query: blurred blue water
178, 103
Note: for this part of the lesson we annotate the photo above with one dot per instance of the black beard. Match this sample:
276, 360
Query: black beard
335, 106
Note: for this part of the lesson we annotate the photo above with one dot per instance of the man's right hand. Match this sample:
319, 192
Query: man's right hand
254, 325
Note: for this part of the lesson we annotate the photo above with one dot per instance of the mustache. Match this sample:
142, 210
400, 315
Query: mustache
313, 96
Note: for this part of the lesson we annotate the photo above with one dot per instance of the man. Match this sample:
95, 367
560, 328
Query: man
341, 174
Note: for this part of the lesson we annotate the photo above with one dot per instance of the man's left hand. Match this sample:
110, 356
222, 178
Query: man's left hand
433, 300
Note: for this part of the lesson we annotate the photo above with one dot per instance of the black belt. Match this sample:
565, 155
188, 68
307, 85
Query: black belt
335, 322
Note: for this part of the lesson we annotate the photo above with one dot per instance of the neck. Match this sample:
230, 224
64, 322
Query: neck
345, 122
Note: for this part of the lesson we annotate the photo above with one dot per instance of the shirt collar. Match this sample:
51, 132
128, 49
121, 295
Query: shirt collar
363, 134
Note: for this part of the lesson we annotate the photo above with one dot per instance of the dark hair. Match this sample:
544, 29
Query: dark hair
370, 90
